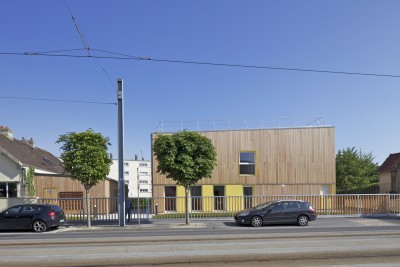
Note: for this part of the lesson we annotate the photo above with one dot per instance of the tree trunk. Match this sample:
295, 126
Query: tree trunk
88, 207
187, 204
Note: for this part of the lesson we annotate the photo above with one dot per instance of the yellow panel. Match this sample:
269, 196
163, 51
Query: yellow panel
234, 190
180, 199
180, 191
234, 197
207, 192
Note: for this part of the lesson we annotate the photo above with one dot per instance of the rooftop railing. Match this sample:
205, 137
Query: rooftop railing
240, 124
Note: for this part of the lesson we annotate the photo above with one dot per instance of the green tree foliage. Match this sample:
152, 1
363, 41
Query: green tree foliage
86, 159
356, 171
185, 157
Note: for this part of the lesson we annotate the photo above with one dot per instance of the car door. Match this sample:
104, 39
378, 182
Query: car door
274, 213
291, 211
26, 216
9, 217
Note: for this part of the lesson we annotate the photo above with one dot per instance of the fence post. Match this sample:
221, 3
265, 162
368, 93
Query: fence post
95, 211
83, 207
326, 204
358, 204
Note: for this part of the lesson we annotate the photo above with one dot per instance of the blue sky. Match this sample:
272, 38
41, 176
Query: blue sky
349, 36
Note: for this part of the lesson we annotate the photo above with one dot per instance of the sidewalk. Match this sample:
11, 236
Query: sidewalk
146, 225
224, 223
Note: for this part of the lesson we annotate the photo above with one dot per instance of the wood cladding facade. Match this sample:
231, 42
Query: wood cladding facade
288, 160
51, 186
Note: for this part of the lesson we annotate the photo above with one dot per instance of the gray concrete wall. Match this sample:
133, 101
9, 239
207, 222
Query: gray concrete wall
8, 202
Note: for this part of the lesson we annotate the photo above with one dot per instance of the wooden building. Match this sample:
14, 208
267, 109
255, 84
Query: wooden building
389, 175
282, 161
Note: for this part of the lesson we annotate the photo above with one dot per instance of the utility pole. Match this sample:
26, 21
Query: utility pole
121, 180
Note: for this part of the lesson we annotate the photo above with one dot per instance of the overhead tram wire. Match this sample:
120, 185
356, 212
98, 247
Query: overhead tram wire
58, 51
129, 57
87, 48
57, 100
246, 66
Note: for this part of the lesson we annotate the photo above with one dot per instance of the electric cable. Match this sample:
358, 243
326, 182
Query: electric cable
57, 100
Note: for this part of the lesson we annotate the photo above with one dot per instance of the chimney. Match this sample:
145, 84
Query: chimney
32, 143
4, 130
136, 157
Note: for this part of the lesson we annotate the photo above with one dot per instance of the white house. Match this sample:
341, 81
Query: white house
16, 156
137, 174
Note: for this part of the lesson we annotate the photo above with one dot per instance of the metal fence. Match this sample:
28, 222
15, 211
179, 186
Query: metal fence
146, 209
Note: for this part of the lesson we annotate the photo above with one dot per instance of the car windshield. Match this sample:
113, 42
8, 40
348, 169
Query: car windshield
261, 206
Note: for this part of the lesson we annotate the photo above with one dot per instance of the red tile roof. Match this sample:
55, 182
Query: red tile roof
391, 163
31, 156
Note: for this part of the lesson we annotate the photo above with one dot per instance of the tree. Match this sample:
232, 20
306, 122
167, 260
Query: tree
86, 159
355, 171
185, 157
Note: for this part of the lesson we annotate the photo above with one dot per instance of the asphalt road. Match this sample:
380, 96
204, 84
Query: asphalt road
328, 241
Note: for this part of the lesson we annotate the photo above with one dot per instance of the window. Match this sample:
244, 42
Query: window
170, 198
247, 163
126, 173
143, 173
126, 163
291, 206
278, 207
248, 197
30, 209
8, 189
143, 164
144, 190
219, 196
14, 210
195, 194
48, 161
143, 181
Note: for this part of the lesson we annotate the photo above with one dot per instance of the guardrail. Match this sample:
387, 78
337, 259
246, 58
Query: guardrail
211, 207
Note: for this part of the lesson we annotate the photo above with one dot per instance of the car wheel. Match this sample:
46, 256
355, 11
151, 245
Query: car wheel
39, 226
256, 221
302, 220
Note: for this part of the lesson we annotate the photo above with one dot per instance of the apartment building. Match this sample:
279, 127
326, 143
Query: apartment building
137, 175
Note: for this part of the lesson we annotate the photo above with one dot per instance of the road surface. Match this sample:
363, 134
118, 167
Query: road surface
329, 242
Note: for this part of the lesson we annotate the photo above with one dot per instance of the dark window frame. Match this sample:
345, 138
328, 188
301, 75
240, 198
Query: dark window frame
8, 189
247, 167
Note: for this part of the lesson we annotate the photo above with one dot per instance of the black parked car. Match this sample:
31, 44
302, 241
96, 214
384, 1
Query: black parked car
278, 212
38, 217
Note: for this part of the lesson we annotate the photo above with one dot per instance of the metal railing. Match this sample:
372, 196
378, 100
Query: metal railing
146, 209
240, 124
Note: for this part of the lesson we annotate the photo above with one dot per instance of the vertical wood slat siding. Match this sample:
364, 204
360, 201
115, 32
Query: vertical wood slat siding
66, 184
293, 157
